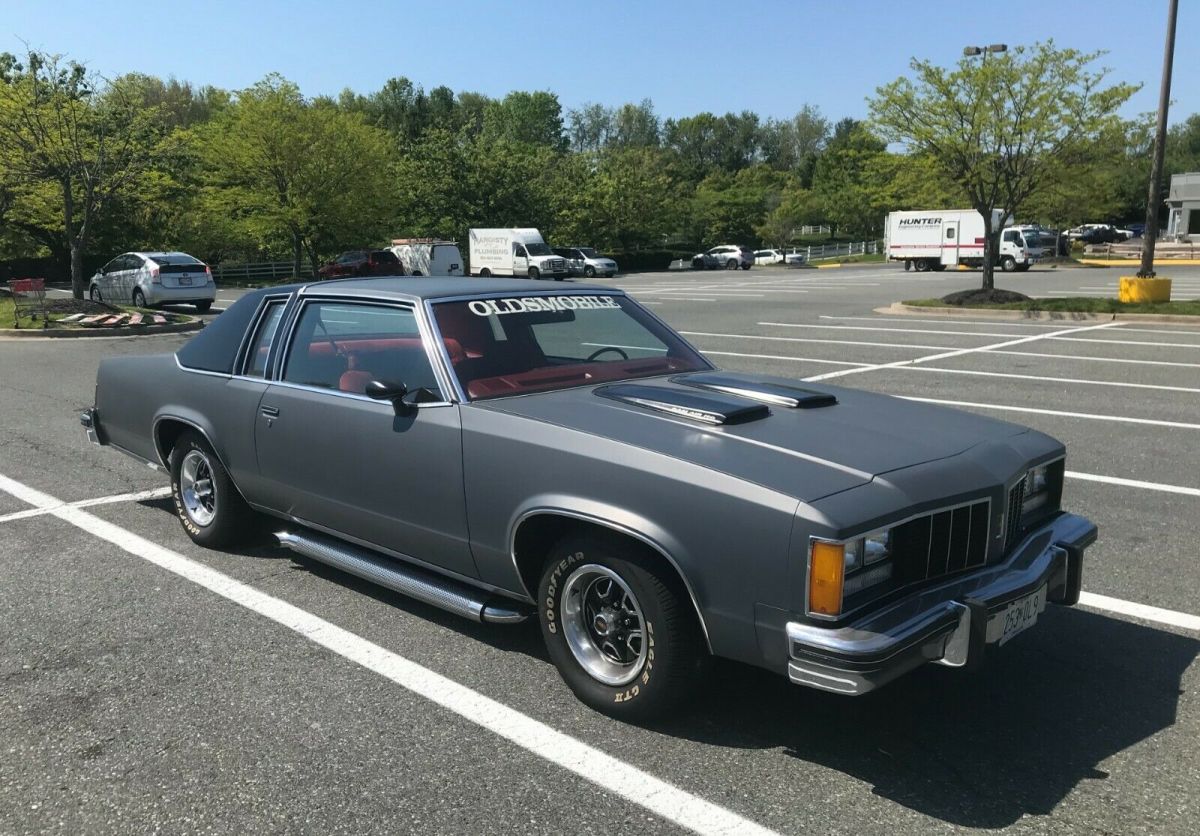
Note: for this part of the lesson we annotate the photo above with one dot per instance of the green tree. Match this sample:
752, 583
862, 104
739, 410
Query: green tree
72, 139
533, 118
1002, 127
850, 199
285, 169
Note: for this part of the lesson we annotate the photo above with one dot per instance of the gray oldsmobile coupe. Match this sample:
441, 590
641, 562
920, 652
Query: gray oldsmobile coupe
500, 450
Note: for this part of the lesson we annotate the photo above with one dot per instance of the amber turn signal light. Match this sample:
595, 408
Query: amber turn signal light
825, 574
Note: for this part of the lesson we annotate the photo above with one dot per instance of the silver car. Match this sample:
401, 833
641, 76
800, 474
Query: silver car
505, 451
585, 261
726, 256
150, 279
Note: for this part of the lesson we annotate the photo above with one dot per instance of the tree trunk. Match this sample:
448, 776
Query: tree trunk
297, 254
78, 280
989, 251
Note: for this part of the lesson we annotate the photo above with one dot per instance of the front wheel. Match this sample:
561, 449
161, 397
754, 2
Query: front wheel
1008, 264
94, 294
208, 505
618, 627
731, 264
697, 263
534, 273
589, 271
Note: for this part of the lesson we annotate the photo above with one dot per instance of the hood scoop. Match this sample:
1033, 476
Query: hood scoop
778, 394
706, 407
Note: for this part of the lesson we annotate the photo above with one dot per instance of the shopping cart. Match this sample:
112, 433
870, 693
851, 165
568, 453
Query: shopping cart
29, 298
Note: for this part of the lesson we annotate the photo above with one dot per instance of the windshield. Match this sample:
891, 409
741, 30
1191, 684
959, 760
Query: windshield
588, 252
514, 346
538, 249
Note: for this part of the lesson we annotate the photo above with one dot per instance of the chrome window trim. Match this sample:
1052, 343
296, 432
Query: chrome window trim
208, 372
294, 324
879, 530
243, 352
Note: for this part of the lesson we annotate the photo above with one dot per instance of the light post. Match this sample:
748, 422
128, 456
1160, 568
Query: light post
1154, 196
972, 51
991, 242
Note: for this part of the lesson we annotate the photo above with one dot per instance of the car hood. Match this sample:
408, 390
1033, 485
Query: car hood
806, 453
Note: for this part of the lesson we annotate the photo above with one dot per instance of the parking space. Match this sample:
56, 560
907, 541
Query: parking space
146, 680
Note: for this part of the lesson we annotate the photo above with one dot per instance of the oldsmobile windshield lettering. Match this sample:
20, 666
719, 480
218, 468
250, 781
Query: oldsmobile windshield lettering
489, 307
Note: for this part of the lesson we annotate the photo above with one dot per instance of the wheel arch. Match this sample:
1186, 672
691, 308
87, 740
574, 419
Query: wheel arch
167, 429
537, 529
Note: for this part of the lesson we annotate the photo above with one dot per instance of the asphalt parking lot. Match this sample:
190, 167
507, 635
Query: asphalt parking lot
140, 691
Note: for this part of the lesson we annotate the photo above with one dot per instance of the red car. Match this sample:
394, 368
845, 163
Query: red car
362, 263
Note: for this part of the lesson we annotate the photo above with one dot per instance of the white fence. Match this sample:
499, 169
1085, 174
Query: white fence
821, 229
267, 271
822, 252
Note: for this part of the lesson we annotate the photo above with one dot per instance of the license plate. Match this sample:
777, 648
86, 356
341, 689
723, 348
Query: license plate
1016, 618
185, 279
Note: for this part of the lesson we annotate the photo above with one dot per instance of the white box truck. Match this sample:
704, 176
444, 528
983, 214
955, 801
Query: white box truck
428, 256
514, 252
937, 239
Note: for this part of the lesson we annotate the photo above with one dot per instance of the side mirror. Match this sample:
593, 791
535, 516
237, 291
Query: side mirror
381, 390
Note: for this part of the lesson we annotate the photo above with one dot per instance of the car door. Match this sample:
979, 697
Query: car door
331, 456
107, 279
135, 273
520, 259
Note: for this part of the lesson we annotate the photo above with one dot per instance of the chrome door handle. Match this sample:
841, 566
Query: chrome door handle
270, 411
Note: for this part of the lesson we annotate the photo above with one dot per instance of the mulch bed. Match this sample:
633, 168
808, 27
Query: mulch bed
978, 296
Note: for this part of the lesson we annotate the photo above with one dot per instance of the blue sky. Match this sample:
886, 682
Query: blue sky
769, 57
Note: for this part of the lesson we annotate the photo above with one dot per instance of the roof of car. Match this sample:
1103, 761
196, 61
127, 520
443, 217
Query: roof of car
411, 287
161, 253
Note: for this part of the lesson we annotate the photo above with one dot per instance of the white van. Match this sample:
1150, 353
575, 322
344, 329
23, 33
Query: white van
514, 252
428, 257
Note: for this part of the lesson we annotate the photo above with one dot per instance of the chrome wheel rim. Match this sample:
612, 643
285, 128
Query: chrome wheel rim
196, 488
603, 625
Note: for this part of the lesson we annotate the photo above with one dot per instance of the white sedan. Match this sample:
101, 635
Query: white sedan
778, 257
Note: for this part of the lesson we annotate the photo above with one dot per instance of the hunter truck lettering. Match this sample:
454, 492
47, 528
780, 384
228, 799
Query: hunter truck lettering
920, 221
527, 304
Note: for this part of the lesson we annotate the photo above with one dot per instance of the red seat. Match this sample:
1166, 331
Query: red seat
355, 380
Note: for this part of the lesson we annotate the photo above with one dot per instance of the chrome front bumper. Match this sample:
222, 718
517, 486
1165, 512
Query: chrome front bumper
948, 624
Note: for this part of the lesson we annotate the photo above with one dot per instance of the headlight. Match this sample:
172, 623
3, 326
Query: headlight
840, 569
1037, 489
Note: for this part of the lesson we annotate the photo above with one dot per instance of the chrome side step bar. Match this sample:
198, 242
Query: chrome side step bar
423, 585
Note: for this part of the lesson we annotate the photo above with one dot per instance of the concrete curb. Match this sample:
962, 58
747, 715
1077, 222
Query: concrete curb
828, 266
900, 309
1133, 262
85, 333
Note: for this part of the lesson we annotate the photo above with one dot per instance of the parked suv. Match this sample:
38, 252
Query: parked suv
152, 279
728, 256
585, 261
362, 263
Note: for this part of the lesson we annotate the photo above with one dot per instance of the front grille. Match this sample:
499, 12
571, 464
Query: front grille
941, 543
1016, 496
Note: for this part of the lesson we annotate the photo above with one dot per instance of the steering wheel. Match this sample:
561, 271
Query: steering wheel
612, 348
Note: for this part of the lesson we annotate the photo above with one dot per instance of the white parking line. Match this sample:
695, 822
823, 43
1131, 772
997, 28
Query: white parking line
948, 320
1154, 422
961, 351
877, 328
1014, 376
1132, 483
1126, 342
1143, 612
659, 797
781, 357
1099, 359
823, 342
155, 493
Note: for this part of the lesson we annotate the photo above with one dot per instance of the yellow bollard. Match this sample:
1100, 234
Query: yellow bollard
1134, 289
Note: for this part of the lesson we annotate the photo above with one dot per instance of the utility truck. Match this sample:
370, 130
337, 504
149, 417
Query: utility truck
937, 239
514, 252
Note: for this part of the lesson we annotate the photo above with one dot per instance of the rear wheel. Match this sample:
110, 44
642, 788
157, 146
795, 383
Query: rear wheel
139, 298
697, 263
208, 505
204, 306
618, 627
747, 265
920, 265
485, 273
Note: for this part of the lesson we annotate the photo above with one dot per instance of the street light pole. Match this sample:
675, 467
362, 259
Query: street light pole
1154, 196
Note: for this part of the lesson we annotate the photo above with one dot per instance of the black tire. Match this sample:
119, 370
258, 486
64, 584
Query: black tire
939, 267
534, 273
485, 273
920, 265
1008, 264
747, 266
697, 263
673, 655
203, 307
139, 298
232, 519
94, 294
731, 264
589, 271
415, 273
